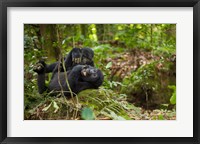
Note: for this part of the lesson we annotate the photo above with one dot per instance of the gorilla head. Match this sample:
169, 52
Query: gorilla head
76, 56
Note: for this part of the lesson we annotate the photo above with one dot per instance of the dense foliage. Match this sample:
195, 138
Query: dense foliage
138, 62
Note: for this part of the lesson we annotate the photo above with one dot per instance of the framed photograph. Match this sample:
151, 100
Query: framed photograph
99, 72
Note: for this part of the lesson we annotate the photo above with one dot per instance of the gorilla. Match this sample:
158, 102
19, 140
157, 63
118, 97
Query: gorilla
77, 56
80, 77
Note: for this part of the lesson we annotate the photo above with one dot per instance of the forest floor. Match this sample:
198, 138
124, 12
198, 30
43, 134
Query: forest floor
123, 65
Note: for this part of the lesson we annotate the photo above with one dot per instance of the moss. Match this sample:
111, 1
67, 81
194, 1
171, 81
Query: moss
148, 86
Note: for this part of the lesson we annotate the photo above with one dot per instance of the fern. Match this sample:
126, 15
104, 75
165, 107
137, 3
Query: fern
103, 103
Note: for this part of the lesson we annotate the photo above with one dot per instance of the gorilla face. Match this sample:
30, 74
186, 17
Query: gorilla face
90, 74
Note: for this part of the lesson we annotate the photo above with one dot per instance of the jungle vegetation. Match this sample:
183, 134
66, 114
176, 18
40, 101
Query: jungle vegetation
138, 62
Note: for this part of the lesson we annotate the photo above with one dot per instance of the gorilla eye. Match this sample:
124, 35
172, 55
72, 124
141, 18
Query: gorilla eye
94, 75
93, 71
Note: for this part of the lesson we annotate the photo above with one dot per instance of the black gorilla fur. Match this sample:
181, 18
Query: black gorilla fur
81, 77
77, 56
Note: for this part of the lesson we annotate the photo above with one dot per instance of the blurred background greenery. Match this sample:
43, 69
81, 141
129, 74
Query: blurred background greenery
138, 62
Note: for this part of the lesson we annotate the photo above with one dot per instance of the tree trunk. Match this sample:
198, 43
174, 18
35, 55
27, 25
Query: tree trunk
100, 31
50, 40
84, 30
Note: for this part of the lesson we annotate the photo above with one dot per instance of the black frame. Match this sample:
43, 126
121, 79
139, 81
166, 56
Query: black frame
99, 3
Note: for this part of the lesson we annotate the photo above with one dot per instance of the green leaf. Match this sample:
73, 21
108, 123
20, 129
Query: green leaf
114, 83
55, 106
116, 117
87, 114
173, 97
63, 41
139, 26
46, 108
160, 117
109, 65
